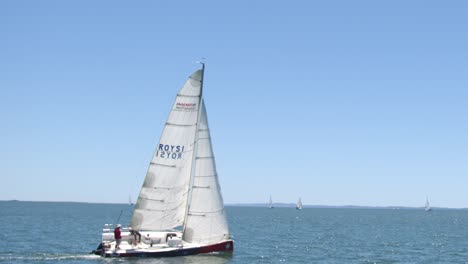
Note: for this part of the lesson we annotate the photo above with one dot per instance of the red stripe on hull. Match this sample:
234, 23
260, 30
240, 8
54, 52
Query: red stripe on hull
227, 246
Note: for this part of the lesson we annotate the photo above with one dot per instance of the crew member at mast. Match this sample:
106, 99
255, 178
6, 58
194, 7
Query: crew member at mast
135, 233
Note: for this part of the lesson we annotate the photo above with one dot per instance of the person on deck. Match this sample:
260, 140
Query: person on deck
135, 233
117, 237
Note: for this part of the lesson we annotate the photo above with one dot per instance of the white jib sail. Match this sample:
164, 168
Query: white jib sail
162, 202
206, 219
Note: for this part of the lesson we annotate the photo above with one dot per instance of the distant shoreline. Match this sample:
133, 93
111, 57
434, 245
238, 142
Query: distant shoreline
390, 207
275, 205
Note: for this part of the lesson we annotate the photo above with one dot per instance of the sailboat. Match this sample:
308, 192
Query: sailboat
427, 207
179, 210
270, 203
299, 204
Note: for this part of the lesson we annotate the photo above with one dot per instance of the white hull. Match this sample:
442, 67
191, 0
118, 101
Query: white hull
156, 244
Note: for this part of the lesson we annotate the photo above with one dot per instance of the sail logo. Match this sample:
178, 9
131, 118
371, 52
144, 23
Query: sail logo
185, 106
170, 151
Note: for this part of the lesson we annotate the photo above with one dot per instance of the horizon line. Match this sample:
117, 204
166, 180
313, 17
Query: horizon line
280, 205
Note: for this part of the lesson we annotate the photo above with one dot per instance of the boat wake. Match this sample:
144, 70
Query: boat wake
213, 257
8, 258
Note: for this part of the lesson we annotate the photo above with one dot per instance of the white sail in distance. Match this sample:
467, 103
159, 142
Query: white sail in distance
427, 206
299, 204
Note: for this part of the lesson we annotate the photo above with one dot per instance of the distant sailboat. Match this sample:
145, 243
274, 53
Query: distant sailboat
299, 204
427, 207
130, 200
270, 203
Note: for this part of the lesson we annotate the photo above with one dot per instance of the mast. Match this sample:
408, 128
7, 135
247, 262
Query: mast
201, 83
195, 145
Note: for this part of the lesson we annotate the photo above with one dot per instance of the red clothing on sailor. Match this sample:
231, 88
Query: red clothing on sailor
117, 233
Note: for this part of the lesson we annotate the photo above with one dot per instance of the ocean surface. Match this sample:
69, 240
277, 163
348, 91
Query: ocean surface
49, 232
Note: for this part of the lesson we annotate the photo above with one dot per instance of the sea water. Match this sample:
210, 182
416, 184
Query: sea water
49, 232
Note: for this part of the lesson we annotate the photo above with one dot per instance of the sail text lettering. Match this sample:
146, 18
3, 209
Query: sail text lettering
170, 151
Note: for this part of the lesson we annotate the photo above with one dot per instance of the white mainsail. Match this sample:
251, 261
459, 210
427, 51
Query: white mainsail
427, 207
206, 219
164, 195
299, 204
270, 203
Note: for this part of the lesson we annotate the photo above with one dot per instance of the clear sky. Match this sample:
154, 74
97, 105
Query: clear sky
338, 102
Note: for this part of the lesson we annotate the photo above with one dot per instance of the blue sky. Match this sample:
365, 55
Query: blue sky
338, 102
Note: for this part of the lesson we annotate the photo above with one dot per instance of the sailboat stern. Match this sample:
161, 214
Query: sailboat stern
225, 246
99, 250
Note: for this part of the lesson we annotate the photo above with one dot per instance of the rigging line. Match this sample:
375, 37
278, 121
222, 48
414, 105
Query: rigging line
152, 200
201, 187
168, 188
118, 219
207, 157
161, 210
163, 165
186, 95
182, 110
179, 187
205, 176
199, 213
171, 124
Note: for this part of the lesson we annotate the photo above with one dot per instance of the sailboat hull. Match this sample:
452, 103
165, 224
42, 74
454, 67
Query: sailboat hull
225, 246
